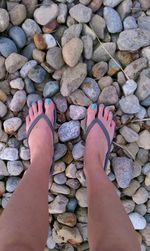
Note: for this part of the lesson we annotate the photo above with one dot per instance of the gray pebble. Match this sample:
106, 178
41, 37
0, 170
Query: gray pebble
69, 130
113, 20
18, 36
12, 183
15, 168
50, 89
37, 74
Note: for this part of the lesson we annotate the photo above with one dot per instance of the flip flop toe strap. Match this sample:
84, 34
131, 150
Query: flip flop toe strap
36, 120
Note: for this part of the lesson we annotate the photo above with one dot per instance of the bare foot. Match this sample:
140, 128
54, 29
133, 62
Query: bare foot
41, 137
96, 142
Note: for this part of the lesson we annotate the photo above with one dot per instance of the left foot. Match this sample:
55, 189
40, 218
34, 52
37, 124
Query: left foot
41, 137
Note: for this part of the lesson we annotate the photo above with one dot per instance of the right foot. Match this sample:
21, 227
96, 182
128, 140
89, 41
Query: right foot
41, 137
96, 142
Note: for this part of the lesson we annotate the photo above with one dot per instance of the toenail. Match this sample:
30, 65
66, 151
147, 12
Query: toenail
111, 113
33, 102
94, 106
47, 101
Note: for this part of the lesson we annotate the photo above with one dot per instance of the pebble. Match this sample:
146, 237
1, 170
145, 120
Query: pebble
18, 101
79, 98
146, 53
4, 20
12, 125
145, 4
54, 58
60, 151
147, 180
143, 85
113, 20
141, 196
7, 46
30, 27
128, 205
71, 205
134, 68
143, 155
3, 109
73, 31
14, 62
62, 189
69, 130
72, 78
99, 70
129, 104
144, 22
87, 46
3, 169
68, 219
100, 54
146, 235
78, 150
27, 67
124, 8
2, 75
104, 82
46, 14
18, 14
21, 135
28, 51
62, 15
81, 13
70, 171
123, 169
141, 209
77, 112
129, 87
129, 134
81, 177
60, 179
98, 25
90, 88
9, 153
2, 188
50, 89
139, 36
95, 5
17, 84
50, 243
18, 36
24, 153
73, 183
12, 183
39, 42
58, 206
146, 168
138, 221
49, 40
37, 74
15, 168
71, 235
108, 96
72, 51
112, 3
81, 196
144, 138
129, 23
60, 103
39, 56
147, 217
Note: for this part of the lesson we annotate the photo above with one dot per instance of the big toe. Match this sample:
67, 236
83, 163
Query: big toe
49, 109
91, 113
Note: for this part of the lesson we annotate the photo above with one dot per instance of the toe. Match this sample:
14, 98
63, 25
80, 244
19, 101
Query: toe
101, 111
40, 106
31, 115
113, 124
27, 122
106, 113
49, 109
110, 118
91, 113
34, 108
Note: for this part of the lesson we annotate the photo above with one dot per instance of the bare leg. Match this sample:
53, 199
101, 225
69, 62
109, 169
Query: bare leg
108, 225
24, 222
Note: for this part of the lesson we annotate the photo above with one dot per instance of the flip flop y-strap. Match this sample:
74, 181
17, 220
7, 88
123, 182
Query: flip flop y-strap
36, 120
99, 122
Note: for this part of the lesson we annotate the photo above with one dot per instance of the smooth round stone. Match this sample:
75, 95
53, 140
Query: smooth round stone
3, 109
73, 183
12, 183
77, 112
7, 46
4, 20
129, 87
58, 167
49, 40
17, 84
71, 171
54, 58
113, 20
72, 204
5, 199
112, 3
129, 134
69, 130
9, 153
62, 189
18, 101
81, 196
60, 179
29, 87
13, 142
129, 23
138, 221
24, 153
147, 218
30, 27
141, 196
18, 36
12, 125
146, 168
15, 168
91, 89
14, 62
60, 102
50, 243
78, 150
3, 169
27, 67
37, 74
18, 14
58, 206
46, 14
33, 98
130, 104
81, 13
28, 51
60, 151
50, 89
2, 75
144, 140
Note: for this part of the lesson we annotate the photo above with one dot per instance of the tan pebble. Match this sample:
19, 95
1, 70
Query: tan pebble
95, 5
3, 96
147, 180
38, 55
50, 27
39, 42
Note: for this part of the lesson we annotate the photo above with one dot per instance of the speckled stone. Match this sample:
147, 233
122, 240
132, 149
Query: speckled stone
69, 130
37, 74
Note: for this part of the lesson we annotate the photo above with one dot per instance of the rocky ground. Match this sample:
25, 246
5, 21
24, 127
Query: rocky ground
77, 52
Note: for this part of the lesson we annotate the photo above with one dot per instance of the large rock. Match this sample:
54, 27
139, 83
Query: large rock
45, 14
81, 13
100, 53
123, 169
69, 130
72, 78
14, 62
113, 20
130, 104
58, 206
134, 39
144, 140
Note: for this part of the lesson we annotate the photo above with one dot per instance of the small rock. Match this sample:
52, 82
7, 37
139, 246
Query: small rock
112, 3
144, 22
69, 130
2, 188
28, 51
72, 51
113, 67
18, 36
81, 196
18, 101
134, 39
50, 89
60, 179
3, 169
46, 14
17, 84
60, 151
104, 82
143, 91
128, 205
72, 78
15, 168
108, 96
60, 103
146, 235
81, 177
59, 204
61, 19
9, 153
12, 183
146, 53
50, 243
3, 96
129, 23
81, 13
30, 27
7, 46
4, 20
39, 56
141, 209
95, 5
59, 166
99, 70
129, 104
12, 125
71, 205
54, 58
71, 171
62, 189
123, 169
39, 42
91, 89
146, 168
77, 112
124, 8
78, 150
3, 109
129, 87
98, 25
138, 221
129, 134
14, 62
18, 14
144, 140
113, 20
72, 32
68, 219
49, 40
87, 46
147, 180
79, 98
2, 73
101, 55
37, 74
134, 68
141, 196
73, 183
27, 67
71, 235
145, 4
24, 153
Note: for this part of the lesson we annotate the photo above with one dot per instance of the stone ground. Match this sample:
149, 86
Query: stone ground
77, 52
